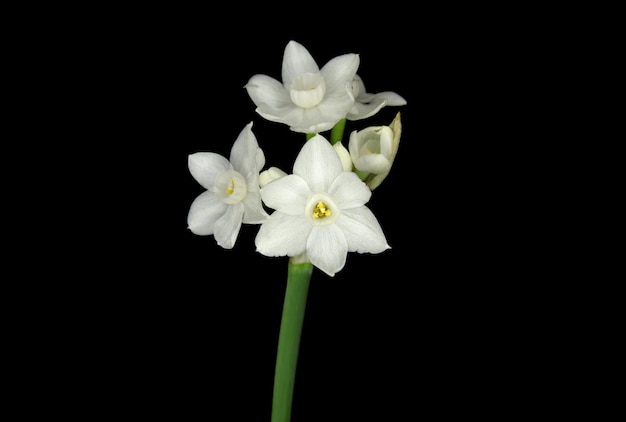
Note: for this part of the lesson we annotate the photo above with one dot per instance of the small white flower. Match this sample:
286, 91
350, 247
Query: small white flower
319, 211
232, 194
270, 174
374, 149
366, 105
309, 100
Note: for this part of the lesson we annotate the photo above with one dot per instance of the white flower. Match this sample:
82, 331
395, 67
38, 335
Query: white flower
366, 105
270, 174
374, 149
319, 211
232, 194
309, 100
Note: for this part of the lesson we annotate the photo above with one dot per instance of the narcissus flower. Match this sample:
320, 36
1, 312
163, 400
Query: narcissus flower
319, 212
366, 104
232, 194
374, 149
309, 99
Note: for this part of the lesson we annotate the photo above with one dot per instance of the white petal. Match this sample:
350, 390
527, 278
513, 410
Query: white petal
287, 194
327, 248
318, 164
254, 213
296, 61
344, 156
260, 159
205, 210
336, 105
206, 166
373, 163
227, 227
363, 110
263, 89
340, 70
289, 114
244, 152
283, 235
353, 145
386, 140
313, 120
349, 191
392, 98
362, 231
270, 175
366, 105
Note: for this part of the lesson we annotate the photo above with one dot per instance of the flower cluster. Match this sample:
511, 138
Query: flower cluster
319, 210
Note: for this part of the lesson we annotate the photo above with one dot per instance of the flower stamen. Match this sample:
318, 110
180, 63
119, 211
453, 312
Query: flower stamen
320, 210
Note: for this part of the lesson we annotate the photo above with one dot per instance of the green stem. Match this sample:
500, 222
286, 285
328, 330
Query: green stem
336, 134
298, 279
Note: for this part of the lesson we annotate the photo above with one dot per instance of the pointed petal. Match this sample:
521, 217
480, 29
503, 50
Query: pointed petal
327, 248
263, 89
283, 235
363, 110
287, 194
349, 191
344, 156
205, 210
392, 98
318, 164
339, 70
227, 226
260, 159
244, 152
289, 114
362, 231
206, 166
254, 213
296, 61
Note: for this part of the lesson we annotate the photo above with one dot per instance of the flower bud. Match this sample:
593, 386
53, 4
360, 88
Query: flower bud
374, 149
269, 175
344, 155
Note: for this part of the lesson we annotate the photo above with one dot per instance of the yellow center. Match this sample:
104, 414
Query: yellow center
320, 210
231, 187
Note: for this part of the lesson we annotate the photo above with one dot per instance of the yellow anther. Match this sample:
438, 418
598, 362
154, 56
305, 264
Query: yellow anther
320, 210
231, 187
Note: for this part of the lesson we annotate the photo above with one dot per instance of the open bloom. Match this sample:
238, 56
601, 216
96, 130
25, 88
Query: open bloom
366, 104
309, 99
374, 149
232, 194
319, 211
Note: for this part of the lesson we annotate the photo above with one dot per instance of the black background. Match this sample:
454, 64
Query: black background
171, 324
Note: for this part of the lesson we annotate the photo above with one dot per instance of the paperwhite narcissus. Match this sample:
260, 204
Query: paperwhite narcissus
309, 99
366, 104
232, 194
374, 149
319, 212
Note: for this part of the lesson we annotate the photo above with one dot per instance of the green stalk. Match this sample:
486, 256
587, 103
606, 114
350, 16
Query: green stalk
336, 133
298, 279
